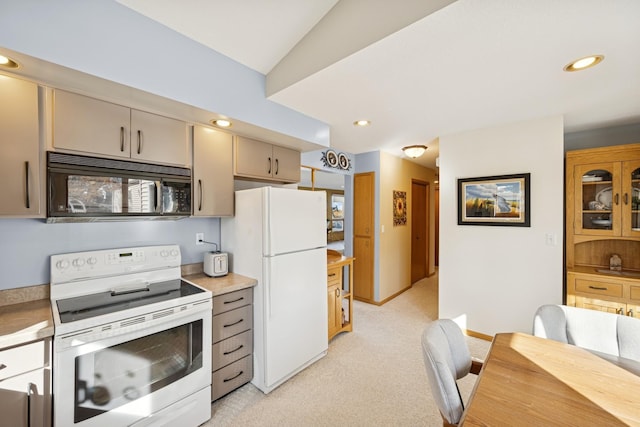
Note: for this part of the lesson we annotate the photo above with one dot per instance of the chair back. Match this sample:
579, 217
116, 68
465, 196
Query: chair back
599, 331
446, 359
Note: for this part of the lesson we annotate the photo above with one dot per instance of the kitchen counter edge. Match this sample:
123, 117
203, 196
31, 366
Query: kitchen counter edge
221, 285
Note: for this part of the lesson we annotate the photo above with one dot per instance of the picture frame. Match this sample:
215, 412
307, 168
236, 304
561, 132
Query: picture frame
337, 226
502, 200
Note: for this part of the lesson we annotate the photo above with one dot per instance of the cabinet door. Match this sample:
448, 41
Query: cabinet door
19, 142
597, 199
212, 172
253, 159
89, 125
286, 164
158, 139
363, 269
333, 308
25, 400
600, 305
631, 198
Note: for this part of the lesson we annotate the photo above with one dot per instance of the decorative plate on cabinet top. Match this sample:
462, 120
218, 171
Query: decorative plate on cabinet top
591, 178
605, 222
605, 196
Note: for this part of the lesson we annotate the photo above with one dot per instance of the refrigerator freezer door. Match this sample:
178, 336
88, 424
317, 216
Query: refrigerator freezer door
295, 314
295, 220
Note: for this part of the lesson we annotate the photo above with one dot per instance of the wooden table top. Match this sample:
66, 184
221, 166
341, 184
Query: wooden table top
528, 380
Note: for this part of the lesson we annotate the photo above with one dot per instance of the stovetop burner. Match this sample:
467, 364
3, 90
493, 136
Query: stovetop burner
118, 299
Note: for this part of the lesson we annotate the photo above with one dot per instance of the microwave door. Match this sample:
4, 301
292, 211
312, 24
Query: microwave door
142, 196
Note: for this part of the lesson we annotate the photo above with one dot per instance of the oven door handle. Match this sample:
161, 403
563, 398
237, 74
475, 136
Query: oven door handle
129, 290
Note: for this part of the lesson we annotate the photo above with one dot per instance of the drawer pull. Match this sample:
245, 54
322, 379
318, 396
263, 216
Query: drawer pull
235, 300
630, 313
226, 380
226, 353
332, 274
597, 288
233, 324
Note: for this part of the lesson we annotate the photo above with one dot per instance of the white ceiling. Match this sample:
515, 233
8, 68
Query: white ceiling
469, 65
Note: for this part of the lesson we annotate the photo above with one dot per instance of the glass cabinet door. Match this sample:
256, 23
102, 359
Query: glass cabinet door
631, 199
597, 204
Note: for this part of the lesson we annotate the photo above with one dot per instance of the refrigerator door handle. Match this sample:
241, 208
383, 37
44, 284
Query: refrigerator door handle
267, 287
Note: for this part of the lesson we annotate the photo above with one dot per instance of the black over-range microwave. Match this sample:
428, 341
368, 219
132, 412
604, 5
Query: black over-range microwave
81, 189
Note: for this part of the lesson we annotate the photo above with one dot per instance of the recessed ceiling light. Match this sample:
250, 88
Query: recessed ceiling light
584, 63
414, 151
223, 123
362, 123
7, 62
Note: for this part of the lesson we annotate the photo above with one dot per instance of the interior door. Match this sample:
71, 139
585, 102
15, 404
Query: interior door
419, 230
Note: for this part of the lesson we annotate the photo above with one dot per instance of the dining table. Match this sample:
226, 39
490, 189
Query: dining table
533, 381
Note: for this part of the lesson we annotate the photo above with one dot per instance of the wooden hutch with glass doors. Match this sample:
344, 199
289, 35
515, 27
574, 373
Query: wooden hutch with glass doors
603, 228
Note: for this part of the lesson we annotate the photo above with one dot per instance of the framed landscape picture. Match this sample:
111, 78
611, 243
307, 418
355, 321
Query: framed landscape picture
494, 200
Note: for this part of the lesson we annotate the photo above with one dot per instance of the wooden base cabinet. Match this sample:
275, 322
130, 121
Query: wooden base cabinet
232, 341
25, 385
603, 219
339, 294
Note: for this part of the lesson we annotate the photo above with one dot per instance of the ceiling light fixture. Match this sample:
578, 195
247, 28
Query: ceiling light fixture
583, 63
223, 123
362, 123
7, 62
414, 151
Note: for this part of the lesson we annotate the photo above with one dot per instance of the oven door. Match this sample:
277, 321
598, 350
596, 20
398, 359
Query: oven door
117, 380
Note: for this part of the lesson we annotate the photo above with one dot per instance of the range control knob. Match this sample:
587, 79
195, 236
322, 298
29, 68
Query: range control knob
62, 264
174, 252
164, 253
92, 261
78, 262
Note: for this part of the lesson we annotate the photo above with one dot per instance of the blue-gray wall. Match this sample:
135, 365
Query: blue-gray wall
26, 244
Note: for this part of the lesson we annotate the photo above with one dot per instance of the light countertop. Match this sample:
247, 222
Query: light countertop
24, 322
221, 285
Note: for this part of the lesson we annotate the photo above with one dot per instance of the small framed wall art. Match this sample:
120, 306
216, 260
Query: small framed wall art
495, 200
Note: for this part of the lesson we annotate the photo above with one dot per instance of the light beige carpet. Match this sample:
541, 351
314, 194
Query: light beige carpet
373, 376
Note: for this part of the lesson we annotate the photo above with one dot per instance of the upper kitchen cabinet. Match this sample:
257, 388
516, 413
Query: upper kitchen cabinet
20, 144
604, 191
212, 172
262, 161
97, 127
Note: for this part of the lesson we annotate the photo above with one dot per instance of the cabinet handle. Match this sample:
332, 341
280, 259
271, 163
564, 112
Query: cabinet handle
122, 138
200, 191
26, 184
226, 380
235, 300
277, 167
233, 324
620, 311
2, 366
598, 288
337, 293
29, 394
630, 312
226, 353
617, 198
626, 198
332, 274
269, 160
139, 141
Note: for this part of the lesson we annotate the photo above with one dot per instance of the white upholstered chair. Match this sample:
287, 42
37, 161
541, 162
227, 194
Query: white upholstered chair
597, 331
447, 359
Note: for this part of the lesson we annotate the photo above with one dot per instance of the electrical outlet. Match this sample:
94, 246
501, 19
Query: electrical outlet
199, 238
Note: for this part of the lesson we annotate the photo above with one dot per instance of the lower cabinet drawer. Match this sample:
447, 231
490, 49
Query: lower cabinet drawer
231, 377
24, 358
231, 323
599, 288
231, 349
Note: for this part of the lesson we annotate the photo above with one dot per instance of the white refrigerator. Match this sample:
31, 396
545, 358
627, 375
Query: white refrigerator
278, 236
